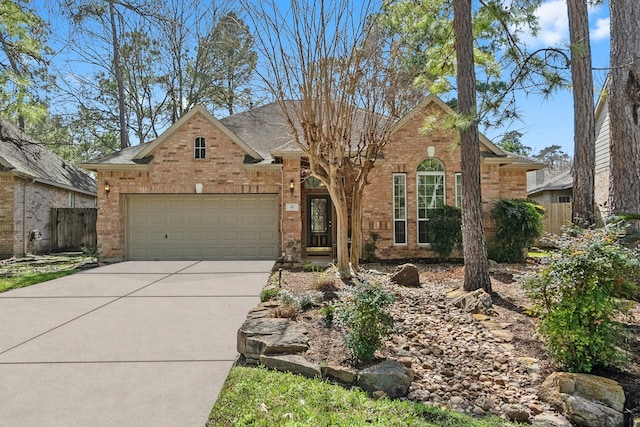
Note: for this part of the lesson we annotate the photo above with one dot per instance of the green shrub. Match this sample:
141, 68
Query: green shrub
364, 315
268, 294
445, 230
369, 248
576, 295
327, 311
309, 267
518, 224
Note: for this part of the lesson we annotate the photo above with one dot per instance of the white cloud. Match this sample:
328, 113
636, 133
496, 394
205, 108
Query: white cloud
601, 31
553, 25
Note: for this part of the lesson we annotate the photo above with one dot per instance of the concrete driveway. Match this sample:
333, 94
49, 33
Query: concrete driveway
129, 344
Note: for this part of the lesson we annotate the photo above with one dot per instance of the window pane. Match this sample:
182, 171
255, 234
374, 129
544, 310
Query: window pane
459, 190
400, 232
400, 208
422, 231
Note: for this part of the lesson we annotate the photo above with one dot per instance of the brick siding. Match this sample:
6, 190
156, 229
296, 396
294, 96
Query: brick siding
40, 199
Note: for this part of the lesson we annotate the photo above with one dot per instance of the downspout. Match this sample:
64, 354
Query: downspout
24, 218
282, 210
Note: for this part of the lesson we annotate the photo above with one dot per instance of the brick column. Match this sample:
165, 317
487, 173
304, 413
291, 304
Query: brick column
292, 210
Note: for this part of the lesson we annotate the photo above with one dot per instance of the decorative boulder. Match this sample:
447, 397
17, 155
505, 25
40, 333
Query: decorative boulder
585, 400
291, 363
406, 275
389, 376
260, 336
475, 302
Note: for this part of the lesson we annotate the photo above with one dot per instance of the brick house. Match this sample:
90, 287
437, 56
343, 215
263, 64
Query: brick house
32, 181
238, 188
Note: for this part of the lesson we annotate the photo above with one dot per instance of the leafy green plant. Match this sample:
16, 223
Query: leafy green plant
309, 267
327, 311
369, 248
268, 294
363, 312
577, 296
445, 230
518, 224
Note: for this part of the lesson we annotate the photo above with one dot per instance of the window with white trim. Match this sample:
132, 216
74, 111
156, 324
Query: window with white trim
458, 178
430, 191
199, 148
399, 209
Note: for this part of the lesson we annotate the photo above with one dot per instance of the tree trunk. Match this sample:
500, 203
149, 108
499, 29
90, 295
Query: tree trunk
339, 201
356, 227
476, 272
624, 107
124, 134
584, 139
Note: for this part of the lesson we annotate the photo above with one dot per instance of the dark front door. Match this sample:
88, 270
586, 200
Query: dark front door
319, 224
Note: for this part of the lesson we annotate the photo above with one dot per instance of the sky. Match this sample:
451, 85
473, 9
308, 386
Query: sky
549, 121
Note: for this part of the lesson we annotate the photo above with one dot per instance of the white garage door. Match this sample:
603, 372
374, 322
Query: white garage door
200, 227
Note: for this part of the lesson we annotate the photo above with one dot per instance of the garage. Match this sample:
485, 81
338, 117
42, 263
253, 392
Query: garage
202, 227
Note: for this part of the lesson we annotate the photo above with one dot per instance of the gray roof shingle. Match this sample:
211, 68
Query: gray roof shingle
23, 156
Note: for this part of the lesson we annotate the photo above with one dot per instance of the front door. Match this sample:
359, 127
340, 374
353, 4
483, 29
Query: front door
319, 222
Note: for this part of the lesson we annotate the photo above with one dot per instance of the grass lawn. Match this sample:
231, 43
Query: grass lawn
8, 283
18, 273
259, 397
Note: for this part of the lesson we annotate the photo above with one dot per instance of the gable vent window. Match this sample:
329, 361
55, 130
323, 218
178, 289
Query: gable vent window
199, 150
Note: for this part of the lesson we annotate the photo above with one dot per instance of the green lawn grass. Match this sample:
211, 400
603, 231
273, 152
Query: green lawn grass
259, 397
15, 282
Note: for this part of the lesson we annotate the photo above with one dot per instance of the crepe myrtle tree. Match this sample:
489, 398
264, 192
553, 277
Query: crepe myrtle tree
328, 57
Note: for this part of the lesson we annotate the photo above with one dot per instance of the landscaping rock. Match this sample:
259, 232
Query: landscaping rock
585, 400
291, 363
260, 336
340, 374
517, 413
389, 376
547, 419
477, 301
406, 275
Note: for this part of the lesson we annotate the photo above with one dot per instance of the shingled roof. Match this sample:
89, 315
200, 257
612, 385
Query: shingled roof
24, 157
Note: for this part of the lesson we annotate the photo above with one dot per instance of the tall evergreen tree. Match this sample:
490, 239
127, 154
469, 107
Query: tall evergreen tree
624, 106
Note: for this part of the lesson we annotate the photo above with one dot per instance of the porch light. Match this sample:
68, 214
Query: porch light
107, 188
291, 186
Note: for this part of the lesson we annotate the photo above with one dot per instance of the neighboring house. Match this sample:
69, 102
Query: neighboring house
239, 188
32, 181
548, 188
603, 152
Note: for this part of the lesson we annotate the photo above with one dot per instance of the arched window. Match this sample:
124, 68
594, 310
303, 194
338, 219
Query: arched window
430, 185
199, 149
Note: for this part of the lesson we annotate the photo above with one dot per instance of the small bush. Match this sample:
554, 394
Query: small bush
268, 294
309, 267
363, 312
576, 297
327, 312
518, 225
445, 230
286, 298
369, 248
324, 284
287, 312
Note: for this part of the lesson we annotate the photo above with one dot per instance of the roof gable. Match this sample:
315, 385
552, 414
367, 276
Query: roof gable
25, 157
433, 99
198, 109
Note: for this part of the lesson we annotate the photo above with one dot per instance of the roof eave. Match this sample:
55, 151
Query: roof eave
114, 167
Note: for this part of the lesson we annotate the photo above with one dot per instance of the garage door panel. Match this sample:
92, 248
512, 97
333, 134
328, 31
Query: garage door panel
202, 227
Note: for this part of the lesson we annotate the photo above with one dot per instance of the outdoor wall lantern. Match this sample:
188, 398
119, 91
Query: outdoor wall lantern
291, 186
198, 188
107, 188
431, 151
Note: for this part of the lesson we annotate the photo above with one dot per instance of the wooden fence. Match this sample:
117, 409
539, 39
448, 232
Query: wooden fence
557, 215
73, 228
